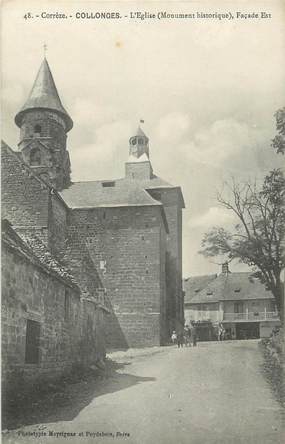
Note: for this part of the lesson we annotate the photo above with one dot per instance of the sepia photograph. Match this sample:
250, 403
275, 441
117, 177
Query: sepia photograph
142, 221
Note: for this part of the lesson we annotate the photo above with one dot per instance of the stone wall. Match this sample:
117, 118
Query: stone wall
173, 211
57, 225
70, 330
24, 197
138, 170
127, 247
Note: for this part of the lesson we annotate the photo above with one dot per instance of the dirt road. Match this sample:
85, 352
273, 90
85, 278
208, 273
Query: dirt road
215, 393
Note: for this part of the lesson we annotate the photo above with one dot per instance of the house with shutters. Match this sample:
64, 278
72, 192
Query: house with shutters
237, 300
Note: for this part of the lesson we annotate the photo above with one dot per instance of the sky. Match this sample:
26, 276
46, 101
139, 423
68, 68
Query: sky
207, 90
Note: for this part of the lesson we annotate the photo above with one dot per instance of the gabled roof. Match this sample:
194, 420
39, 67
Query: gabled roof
44, 95
117, 193
232, 286
193, 285
245, 286
212, 292
121, 192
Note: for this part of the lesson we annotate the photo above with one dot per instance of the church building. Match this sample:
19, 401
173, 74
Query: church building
121, 239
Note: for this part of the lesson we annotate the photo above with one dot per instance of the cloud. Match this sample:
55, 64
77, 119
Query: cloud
87, 113
213, 216
173, 127
227, 144
13, 95
96, 159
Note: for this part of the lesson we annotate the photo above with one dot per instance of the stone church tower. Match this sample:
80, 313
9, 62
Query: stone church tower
44, 124
125, 233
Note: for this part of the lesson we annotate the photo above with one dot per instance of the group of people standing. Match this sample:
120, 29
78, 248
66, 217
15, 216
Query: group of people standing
186, 335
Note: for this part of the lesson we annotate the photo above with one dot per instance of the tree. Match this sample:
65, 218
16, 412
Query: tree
278, 142
256, 239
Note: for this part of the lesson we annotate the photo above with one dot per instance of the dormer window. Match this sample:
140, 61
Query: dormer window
35, 157
108, 184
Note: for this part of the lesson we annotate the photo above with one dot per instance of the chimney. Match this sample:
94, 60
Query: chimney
225, 268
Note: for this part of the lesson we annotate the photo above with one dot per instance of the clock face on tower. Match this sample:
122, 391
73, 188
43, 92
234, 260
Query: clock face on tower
134, 141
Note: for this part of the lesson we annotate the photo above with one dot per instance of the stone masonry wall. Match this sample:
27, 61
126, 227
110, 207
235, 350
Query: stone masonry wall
78, 259
57, 226
24, 197
67, 337
173, 212
138, 170
126, 245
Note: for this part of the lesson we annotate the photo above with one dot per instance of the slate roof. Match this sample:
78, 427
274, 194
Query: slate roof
193, 285
124, 192
31, 247
44, 95
232, 286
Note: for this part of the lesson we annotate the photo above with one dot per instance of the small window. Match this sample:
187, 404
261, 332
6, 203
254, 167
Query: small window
32, 354
237, 290
66, 305
272, 306
38, 129
209, 292
35, 157
140, 141
238, 307
108, 184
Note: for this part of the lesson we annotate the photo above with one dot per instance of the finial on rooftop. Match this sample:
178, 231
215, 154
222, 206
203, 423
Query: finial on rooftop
45, 49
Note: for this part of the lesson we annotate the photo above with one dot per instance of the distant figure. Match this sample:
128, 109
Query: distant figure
221, 333
187, 336
174, 337
194, 334
180, 339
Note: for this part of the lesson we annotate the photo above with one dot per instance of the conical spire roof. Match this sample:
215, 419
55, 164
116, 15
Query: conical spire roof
140, 132
44, 95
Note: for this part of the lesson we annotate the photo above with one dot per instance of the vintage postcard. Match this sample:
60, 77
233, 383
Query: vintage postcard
143, 221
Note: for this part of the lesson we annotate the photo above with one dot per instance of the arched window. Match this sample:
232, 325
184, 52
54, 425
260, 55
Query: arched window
35, 157
38, 129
